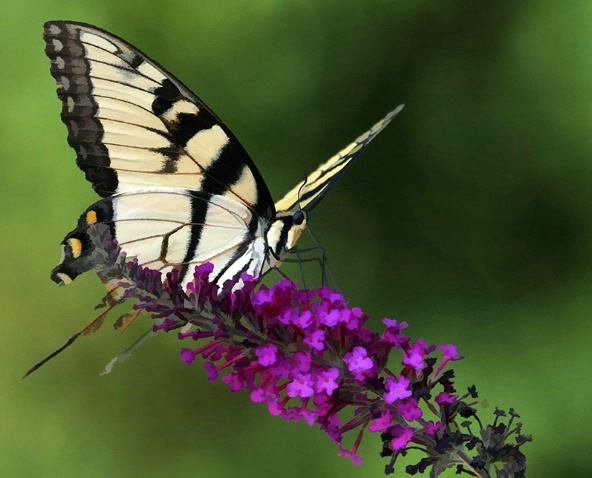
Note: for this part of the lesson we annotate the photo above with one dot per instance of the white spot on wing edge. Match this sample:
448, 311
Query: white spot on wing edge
54, 29
57, 44
59, 62
70, 104
65, 82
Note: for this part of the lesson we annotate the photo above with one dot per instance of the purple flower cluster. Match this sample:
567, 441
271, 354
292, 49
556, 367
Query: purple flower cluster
308, 355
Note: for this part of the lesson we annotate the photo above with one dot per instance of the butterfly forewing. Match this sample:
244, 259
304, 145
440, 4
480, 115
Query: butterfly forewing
133, 125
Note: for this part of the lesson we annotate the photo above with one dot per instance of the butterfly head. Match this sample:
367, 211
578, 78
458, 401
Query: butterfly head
284, 232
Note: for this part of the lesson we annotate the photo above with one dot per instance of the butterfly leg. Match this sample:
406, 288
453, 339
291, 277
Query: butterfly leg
274, 268
326, 272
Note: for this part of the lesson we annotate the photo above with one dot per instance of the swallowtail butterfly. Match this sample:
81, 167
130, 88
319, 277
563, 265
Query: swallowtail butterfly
177, 187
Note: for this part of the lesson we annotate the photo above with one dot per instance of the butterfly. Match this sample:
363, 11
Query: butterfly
177, 188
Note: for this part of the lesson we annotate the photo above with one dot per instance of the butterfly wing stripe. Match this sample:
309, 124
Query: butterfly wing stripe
248, 258
95, 70
226, 225
307, 193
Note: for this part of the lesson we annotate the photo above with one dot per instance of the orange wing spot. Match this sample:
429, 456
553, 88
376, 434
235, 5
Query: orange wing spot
91, 217
76, 247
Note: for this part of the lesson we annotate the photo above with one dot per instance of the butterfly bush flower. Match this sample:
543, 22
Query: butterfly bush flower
307, 355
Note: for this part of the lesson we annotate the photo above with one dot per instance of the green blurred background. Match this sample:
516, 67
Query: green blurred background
469, 217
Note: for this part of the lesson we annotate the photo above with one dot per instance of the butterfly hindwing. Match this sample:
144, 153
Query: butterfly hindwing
156, 227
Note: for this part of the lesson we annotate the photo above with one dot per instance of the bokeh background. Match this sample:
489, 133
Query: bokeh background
470, 217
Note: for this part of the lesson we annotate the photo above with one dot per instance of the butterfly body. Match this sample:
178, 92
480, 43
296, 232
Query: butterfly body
177, 187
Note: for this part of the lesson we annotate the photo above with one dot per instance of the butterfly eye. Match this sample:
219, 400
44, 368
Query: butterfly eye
298, 218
